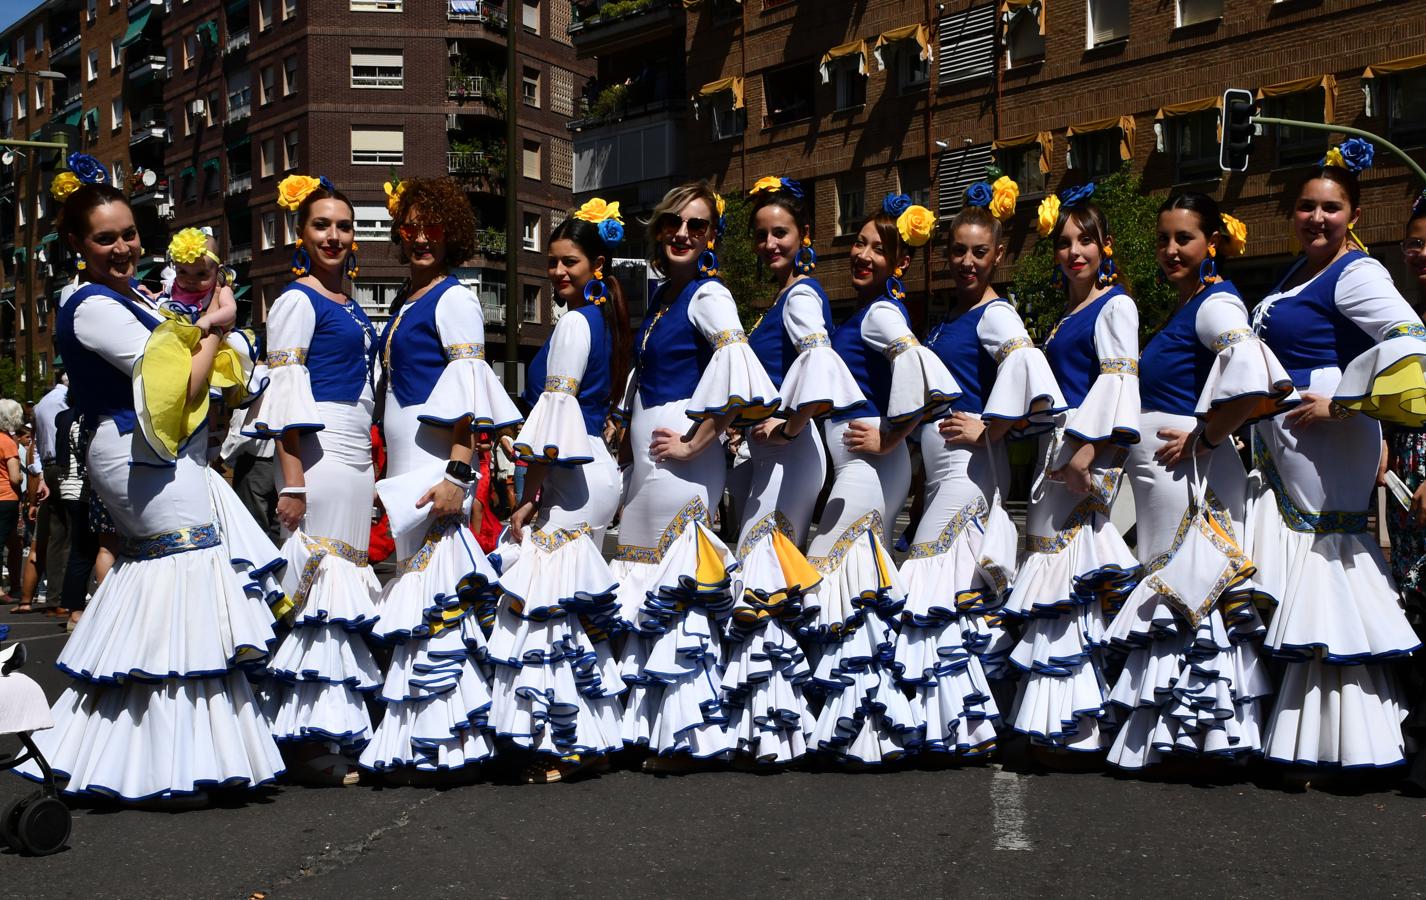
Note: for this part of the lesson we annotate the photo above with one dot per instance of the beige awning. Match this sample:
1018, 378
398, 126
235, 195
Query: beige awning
1045, 139
1406, 63
734, 84
1010, 6
855, 48
1125, 124
921, 34
1328, 84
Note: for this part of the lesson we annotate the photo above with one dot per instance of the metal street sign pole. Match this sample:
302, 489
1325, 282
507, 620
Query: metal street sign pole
32, 269
1377, 140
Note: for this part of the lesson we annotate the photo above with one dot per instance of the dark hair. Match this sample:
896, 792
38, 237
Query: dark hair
794, 206
304, 209
1089, 218
981, 217
1339, 176
81, 203
891, 243
1418, 208
1210, 217
585, 236
442, 202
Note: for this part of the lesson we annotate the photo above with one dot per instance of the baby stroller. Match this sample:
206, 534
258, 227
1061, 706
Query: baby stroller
37, 824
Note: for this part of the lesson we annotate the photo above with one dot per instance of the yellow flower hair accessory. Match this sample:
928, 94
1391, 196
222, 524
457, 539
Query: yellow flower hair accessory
721, 203
770, 183
64, 184
1237, 234
1006, 195
1334, 158
189, 246
394, 189
597, 210
1047, 215
916, 225
293, 189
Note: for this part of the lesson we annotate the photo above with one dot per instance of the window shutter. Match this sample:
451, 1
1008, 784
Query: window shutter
967, 42
958, 169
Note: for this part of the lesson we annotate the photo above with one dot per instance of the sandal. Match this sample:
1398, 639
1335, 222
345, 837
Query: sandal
545, 770
326, 770
24, 609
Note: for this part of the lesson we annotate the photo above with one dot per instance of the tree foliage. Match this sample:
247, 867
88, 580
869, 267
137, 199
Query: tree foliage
738, 263
1133, 224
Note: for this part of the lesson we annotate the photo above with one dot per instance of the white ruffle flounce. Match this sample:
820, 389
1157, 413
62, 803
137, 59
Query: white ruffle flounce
820, 380
1060, 701
1333, 715
1110, 411
286, 405
768, 715
1386, 382
772, 580
864, 715
1248, 369
23, 706
675, 702
1094, 566
951, 698
456, 579
734, 381
253, 555
468, 387
920, 384
554, 432
1025, 388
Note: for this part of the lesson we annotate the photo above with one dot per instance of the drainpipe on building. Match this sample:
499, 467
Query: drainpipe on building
514, 228
925, 323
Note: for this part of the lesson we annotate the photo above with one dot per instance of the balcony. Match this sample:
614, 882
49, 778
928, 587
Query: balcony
490, 242
238, 111
468, 164
240, 253
642, 152
470, 87
143, 134
148, 68
143, 194
627, 24
64, 50
69, 106
137, 7
239, 184
478, 18
236, 41
617, 104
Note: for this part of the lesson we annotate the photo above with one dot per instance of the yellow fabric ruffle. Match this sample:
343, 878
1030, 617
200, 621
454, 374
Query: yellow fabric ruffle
1398, 394
166, 415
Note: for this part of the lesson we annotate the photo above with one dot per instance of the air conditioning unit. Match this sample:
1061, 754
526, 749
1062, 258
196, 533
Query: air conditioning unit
197, 107
165, 210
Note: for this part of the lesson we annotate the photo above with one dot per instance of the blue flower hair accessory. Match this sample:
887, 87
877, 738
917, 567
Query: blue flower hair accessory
326, 183
980, 194
87, 169
771, 184
1418, 208
1354, 154
1076, 195
895, 204
611, 232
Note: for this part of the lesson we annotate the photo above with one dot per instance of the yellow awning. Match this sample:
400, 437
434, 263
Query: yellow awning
1125, 124
1009, 6
1328, 84
1188, 108
734, 84
921, 34
855, 48
1045, 139
1406, 63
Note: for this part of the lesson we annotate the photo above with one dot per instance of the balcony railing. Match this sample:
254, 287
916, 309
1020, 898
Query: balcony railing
70, 45
241, 253
490, 242
469, 87
148, 67
149, 133
236, 41
475, 11
623, 24
467, 163
239, 184
69, 106
239, 111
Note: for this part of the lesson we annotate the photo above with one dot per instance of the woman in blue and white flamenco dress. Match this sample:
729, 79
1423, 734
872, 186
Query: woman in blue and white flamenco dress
439, 390
694, 375
963, 553
160, 707
864, 716
1194, 682
1340, 327
557, 687
766, 666
1077, 568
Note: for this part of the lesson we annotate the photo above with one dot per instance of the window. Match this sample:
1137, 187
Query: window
848, 83
190, 51
1022, 165
116, 54
1108, 22
1196, 12
787, 94
530, 160
914, 180
20, 48
211, 109
1195, 146
1297, 146
377, 69
289, 9
289, 226
1406, 108
912, 72
851, 197
530, 87
967, 45
116, 113
92, 70
264, 15
1023, 41
269, 231
190, 185
1095, 154
727, 121
530, 309
377, 297
530, 231
267, 89
267, 158
289, 76
289, 150
39, 38
21, 105
378, 146
39, 96
373, 223
91, 11
116, 173
212, 176
376, 6
957, 169
530, 15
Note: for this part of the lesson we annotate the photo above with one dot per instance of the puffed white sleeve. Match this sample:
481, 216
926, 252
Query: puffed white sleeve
818, 378
287, 404
107, 328
920, 382
1387, 382
467, 386
1244, 366
1110, 410
555, 432
734, 380
1025, 388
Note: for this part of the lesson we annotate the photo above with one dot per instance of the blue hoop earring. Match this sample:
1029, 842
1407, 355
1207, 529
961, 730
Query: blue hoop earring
894, 288
1208, 270
592, 295
301, 262
708, 263
1108, 272
352, 267
1058, 281
805, 260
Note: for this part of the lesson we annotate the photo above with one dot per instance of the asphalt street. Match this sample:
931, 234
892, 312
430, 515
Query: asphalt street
996, 829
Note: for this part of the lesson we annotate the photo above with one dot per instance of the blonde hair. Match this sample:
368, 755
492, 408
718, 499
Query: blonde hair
675, 200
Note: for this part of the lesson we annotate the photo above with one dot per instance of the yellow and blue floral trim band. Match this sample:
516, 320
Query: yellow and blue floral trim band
900, 346
725, 338
977, 509
773, 521
320, 548
1232, 336
561, 384
418, 561
279, 358
464, 351
1405, 329
814, 340
1010, 346
693, 511
1119, 365
1301, 520
167, 543
550, 541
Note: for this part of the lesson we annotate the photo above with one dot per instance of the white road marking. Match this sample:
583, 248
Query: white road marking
1007, 801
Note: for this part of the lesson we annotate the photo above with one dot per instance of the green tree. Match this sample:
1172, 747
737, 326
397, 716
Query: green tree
738, 264
10, 384
1133, 223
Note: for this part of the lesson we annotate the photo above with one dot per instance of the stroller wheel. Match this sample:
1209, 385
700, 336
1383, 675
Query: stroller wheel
37, 825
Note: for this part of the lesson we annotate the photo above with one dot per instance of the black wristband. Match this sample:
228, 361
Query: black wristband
460, 471
1203, 439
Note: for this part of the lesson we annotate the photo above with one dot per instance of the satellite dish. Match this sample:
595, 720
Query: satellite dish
8, 158
150, 178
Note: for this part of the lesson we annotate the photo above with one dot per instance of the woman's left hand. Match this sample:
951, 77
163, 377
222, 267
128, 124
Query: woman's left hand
1177, 446
444, 498
962, 428
1314, 408
862, 437
669, 446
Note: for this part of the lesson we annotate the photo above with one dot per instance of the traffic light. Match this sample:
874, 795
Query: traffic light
1238, 111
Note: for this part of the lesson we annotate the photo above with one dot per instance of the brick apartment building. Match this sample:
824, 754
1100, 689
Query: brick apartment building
201, 107
857, 99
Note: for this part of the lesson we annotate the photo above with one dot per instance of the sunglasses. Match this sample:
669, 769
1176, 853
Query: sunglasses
432, 232
1413, 246
669, 223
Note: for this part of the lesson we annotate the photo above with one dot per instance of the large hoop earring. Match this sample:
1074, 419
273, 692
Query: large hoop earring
1058, 281
595, 290
806, 259
894, 288
708, 262
1208, 269
353, 268
80, 265
301, 262
1108, 272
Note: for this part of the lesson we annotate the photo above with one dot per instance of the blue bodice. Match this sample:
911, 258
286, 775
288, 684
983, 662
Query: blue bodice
769, 340
96, 386
957, 342
870, 368
1073, 357
414, 353
671, 353
1306, 330
338, 358
1176, 360
594, 387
